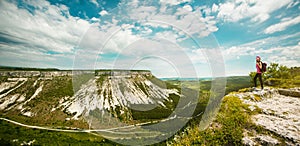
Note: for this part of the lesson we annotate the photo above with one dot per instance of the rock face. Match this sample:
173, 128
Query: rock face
19, 74
279, 114
113, 92
290, 92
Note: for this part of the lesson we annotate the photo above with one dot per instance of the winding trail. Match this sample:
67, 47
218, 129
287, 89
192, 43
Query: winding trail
79, 130
109, 130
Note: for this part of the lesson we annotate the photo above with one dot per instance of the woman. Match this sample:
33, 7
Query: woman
258, 72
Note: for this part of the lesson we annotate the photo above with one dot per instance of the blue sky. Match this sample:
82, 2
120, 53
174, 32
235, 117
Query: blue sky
172, 38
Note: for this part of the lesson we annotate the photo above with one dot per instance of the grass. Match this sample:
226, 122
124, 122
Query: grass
81, 79
233, 84
11, 134
41, 105
227, 128
3, 79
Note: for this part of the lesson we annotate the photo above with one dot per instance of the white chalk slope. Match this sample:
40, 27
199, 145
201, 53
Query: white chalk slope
113, 94
117, 92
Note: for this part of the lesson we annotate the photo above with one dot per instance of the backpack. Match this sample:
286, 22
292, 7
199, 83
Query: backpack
264, 67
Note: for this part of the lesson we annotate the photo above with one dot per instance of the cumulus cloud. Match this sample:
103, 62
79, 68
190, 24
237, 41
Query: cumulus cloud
174, 2
287, 55
256, 10
185, 18
48, 36
281, 26
43, 30
45, 33
103, 12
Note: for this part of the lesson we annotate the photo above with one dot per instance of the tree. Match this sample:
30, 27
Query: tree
277, 71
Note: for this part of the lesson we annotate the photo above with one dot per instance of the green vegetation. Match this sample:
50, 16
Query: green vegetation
158, 112
234, 83
280, 76
3, 79
52, 92
11, 134
227, 128
81, 79
157, 81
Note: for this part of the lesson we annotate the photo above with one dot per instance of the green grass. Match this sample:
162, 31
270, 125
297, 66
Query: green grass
80, 79
234, 83
284, 83
227, 128
3, 79
11, 134
41, 105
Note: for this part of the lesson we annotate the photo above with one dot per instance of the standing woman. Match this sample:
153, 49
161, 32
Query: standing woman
258, 72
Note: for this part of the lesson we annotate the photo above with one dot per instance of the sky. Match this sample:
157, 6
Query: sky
172, 38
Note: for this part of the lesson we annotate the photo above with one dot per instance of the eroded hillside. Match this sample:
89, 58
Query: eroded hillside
50, 98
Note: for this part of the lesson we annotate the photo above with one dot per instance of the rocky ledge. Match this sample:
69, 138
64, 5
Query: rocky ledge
278, 113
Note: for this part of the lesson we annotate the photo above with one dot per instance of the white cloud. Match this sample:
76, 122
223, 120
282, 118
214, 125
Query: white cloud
167, 35
292, 4
256, 10
283, 60
197, 56
288, 55
273, 41
120, 40
44, 30
95, 2
188, 8
36, 38
291, 52
185, 18
284, 24
94, 19
174, 2
103, 12
235, 52
214, 8
47, 31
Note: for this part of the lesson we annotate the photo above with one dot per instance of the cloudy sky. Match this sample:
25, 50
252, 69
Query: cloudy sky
171, 38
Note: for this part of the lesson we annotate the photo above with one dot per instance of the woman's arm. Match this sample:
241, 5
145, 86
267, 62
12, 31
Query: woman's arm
259, 65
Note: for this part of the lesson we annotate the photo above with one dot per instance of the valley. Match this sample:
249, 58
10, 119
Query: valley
112, 104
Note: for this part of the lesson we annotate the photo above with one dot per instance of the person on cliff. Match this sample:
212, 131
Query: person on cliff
259, 67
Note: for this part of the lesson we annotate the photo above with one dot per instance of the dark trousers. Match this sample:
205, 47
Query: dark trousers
260, 80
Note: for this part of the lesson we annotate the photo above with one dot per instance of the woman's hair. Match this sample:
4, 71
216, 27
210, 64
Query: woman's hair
258, 58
